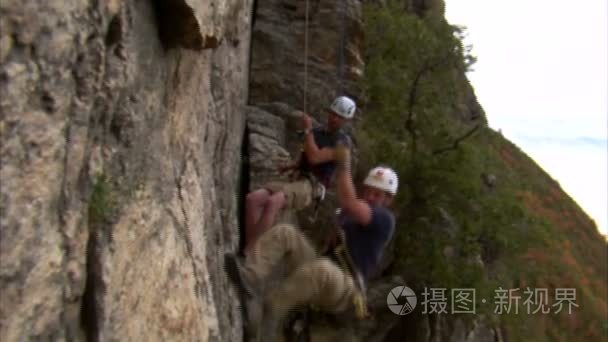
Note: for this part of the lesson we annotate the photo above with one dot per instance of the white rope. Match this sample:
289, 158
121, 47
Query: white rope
306, 58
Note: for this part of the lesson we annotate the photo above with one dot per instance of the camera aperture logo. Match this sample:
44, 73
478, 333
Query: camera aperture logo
401, 300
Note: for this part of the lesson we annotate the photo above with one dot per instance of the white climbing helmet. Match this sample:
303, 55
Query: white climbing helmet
344, 107
382, 178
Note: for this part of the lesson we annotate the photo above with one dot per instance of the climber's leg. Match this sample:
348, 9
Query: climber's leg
295, 195
320, 282
282, 241
256, 201
275, 203
254, 207
298, 194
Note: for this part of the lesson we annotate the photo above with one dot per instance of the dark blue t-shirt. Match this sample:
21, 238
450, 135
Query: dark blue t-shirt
324, 172
366, 243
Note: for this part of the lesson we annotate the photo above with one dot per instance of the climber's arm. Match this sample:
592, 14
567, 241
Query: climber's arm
347, 195
314, 154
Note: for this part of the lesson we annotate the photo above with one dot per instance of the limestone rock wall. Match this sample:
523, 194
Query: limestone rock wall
121, 124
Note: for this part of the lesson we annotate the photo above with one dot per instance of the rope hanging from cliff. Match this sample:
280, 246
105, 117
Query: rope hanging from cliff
306, 57
341, 48
341, 54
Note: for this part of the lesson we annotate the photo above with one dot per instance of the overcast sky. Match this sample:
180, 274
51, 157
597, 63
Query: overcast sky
542, 78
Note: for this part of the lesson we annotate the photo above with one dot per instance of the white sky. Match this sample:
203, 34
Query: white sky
542, 78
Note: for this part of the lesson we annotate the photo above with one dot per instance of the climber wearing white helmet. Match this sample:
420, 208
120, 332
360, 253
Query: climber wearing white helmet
334, 286
315, 168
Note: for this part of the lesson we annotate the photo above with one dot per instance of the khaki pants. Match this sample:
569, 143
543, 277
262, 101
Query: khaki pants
313, 280
298, 194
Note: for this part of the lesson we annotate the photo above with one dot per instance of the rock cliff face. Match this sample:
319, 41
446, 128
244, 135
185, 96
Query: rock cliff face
121, 129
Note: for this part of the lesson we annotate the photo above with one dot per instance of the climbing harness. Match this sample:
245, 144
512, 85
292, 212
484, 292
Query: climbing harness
320, 196
318, 192
342, 257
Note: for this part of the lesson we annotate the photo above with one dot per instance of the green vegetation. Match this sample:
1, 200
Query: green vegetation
456, 228
412, 92
102, 200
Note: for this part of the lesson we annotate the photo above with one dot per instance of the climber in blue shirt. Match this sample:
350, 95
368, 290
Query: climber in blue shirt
367, 222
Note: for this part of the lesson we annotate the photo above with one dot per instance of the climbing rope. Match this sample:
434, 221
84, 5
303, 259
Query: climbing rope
341, 54
306, 57
341, 48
